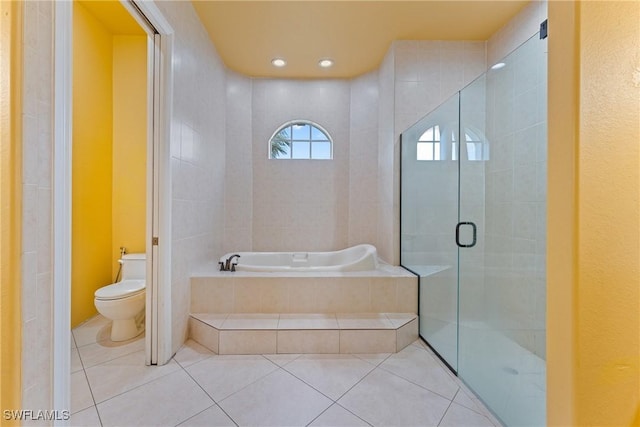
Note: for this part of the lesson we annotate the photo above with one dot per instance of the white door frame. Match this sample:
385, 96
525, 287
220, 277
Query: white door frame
158, 343
159, 101
61, 208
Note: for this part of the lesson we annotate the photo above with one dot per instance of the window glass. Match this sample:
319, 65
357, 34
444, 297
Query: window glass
300, 139
430, 147
318, 135
301, 131
301, 150
321, 150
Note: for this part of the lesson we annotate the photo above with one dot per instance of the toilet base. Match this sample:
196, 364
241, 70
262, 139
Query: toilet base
125, 329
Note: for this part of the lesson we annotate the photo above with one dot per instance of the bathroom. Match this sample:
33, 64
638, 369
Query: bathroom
196, 233
327, 205
109, 149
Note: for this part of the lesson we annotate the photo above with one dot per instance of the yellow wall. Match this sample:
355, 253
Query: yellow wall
109, 153
92, 162
10, 202
129, 144
594, 214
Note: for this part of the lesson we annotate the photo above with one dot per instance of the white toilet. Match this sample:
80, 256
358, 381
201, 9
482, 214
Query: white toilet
123, 302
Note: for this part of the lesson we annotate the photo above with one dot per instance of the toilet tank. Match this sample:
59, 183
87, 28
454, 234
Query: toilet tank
134, 266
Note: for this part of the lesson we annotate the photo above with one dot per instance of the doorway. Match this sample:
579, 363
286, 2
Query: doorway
109, 148
159, 56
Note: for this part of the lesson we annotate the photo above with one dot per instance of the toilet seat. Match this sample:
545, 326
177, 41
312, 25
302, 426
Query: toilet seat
123, 289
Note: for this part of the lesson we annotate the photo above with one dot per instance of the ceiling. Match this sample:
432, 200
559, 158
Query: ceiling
112, 14
355, 34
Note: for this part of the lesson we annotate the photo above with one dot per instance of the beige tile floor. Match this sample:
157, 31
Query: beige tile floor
110, 385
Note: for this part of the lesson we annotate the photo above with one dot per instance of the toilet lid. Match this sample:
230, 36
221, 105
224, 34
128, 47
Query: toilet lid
126, 288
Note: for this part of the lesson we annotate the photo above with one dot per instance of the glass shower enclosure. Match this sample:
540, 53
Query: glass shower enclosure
473, 228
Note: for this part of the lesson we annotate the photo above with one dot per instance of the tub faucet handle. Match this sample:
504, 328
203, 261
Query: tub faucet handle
221, 264
233, 266
227, 264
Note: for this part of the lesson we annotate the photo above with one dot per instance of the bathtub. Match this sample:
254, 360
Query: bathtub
356, 258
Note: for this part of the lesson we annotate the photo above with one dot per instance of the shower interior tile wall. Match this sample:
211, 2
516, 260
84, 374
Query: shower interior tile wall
428, 72
518, 203
415, 77
37, 255
522, 201
197, 156
518, 30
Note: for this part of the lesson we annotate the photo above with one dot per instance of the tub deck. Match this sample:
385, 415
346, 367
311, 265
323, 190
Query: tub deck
293, 312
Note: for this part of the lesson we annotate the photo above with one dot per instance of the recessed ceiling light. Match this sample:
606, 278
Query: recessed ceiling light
325, 63
498, 66
278, 62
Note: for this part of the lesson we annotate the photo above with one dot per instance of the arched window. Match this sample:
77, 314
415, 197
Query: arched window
439, 143
300, 139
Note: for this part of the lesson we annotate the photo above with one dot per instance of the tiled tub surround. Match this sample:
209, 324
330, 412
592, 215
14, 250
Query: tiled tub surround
345, 333
388, 289
328, 312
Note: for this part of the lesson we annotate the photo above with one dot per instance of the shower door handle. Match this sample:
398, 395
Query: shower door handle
473, 227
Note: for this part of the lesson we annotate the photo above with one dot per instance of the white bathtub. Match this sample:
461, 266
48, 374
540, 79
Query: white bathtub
355, 258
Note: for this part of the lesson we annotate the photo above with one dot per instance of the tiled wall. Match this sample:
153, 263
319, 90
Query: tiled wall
524, 25
198, 135
363, 160
238, 219
516, 183
386, 162
302, 204
415, 77
429, 72
37, 281
320, 205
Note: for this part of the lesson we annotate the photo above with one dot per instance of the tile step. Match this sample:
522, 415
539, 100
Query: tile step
304, 333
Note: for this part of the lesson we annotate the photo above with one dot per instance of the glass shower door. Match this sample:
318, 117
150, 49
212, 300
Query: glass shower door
502, 278
429, 213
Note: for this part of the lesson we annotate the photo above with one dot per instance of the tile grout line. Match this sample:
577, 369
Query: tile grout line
446, 410
461, 386
416, 384
348, 410
300, 379
337, 404
209, 396
475, 409
253, 382
137, 386
334, 402
108, 360
84, 371
195, 415
376, 367
86, 377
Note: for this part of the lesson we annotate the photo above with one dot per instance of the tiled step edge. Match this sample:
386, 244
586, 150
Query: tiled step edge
209, 332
